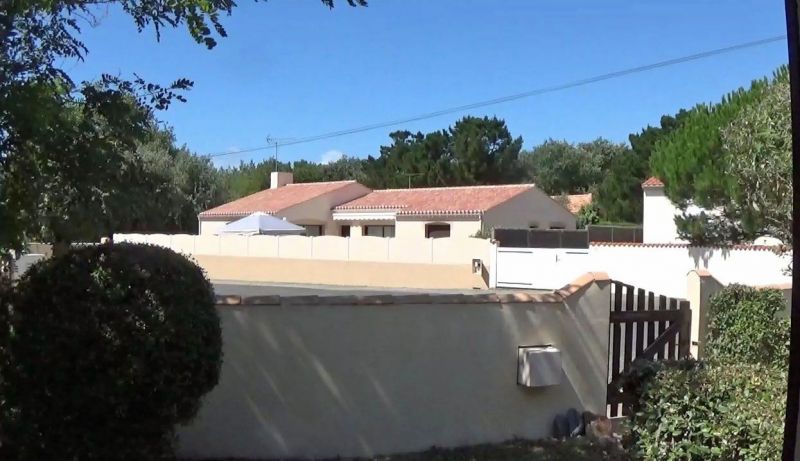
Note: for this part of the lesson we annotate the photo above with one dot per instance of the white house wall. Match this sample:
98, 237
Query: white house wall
533, 207
211, 227
318, 210
658, 218
413, 227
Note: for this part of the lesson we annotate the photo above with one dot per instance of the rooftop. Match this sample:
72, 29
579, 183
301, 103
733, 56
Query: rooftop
575, 201
272, 201
652, 181
437, 200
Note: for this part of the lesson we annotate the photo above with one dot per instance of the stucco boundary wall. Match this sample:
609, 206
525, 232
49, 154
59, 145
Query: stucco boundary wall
331, 260
309, 377
660, 268
701, 286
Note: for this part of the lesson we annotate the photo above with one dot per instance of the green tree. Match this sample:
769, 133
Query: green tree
557, 167
249, 178
414, 159
76, 137
344, 169
305, 171
693, 164
473, 151
484, 152
619, 192
758, 148
619, 195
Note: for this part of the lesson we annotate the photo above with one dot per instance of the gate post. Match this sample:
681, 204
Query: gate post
493, 264
701, 286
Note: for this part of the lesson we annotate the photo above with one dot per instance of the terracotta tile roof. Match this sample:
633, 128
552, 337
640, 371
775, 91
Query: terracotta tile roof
437, 200
274, 200
742, 246
652, 181
575, 201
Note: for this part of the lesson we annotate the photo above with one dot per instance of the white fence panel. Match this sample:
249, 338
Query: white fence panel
661, 269
539, 268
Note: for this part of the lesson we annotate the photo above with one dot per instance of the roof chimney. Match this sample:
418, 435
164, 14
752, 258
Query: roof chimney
279, 179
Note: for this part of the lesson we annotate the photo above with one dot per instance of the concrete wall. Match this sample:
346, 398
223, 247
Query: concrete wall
434, 251
701, 287
658, 217
658, 268
529, 208
350, 376
342, 273
405, 262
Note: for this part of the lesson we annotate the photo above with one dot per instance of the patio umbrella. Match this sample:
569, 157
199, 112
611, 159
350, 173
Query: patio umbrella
262, 223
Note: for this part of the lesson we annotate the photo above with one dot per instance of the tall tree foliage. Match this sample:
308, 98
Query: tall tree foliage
619, 193
562, 167
76, 138
475, 150
758, 147
694, 164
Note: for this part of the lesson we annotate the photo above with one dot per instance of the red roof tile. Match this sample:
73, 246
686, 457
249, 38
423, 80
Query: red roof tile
437, 200
274, 200
652, 181
738, 246
575, 201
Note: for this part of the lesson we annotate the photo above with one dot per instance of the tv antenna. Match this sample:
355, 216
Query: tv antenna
410, 175
276, 142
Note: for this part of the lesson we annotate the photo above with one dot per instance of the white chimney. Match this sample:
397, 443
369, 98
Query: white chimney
279, 179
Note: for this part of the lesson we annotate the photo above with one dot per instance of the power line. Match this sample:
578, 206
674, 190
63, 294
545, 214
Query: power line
526, 94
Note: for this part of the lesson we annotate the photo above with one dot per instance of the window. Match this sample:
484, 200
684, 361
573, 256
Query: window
344, 231
379, 231
312, 230
437, 231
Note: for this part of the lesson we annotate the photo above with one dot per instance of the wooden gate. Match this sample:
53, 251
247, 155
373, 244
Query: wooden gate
646, 326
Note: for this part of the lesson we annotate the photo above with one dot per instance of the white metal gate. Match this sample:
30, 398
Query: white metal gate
539, 268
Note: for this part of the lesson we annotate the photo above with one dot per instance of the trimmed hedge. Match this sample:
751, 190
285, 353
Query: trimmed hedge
745, 327
730, 407
106, 349
712, 413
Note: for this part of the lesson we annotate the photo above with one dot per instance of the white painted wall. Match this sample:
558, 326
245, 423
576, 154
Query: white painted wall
659, 269
658, 220
208, 227
659, 213
318, 210
323, 380
399, 249
414, 227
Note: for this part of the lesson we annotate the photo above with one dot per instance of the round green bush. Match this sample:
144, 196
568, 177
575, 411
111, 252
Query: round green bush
711, 412
104, 351
745, 326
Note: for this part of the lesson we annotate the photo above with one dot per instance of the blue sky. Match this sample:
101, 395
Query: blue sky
293, 68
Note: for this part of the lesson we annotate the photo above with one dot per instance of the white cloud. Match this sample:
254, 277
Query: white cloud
331, 156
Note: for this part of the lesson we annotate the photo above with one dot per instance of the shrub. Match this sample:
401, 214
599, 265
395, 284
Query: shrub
744, 327
715, 412
731, 407
588, 215
108, 348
